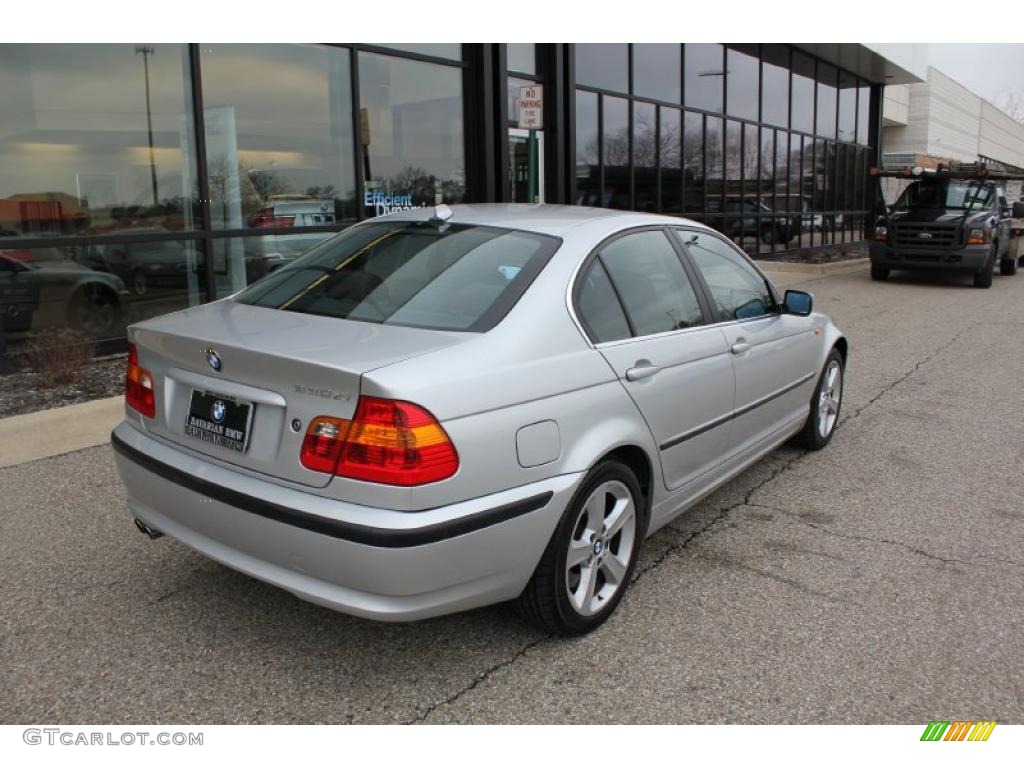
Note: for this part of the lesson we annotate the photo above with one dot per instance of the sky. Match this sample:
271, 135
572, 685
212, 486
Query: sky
988, 69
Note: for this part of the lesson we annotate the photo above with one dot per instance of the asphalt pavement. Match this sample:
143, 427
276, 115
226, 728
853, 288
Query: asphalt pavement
878, 581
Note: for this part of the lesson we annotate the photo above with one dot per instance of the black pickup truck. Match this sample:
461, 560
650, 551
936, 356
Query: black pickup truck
947, 221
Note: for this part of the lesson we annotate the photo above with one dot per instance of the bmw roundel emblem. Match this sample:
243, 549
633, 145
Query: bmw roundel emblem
218, 411
213, 359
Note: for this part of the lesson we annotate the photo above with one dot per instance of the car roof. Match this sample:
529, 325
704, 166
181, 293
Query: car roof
556, 220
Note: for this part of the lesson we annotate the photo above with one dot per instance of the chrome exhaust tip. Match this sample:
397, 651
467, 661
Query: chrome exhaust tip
151, 532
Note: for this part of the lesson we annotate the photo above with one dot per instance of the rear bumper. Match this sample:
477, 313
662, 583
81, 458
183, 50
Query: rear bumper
970, 258
375, 563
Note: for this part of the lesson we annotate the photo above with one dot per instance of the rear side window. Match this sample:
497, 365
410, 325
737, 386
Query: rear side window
453, 277
599, 307
649, 278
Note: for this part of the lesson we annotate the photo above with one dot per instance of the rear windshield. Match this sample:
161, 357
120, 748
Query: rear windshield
452, 277
946, 194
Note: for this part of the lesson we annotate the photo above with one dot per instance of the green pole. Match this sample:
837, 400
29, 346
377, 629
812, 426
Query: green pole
533, 193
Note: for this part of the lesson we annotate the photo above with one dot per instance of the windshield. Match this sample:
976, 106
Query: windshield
946, 194
452, 277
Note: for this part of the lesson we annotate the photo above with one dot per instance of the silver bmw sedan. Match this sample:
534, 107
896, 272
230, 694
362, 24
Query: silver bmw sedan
445, 408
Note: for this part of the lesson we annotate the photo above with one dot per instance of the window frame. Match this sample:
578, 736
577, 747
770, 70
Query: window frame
708, 296
583, 268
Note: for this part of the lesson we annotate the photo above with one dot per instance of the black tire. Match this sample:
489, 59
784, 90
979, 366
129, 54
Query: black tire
1008, 267
810, 436
983, 277
545, 600
879, 272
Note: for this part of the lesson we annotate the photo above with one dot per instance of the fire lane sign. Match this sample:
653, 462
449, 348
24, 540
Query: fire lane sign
531, 107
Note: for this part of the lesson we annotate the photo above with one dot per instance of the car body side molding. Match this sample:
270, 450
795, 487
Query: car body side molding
339, 529
735, 414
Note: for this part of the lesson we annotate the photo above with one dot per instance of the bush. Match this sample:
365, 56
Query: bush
59, 355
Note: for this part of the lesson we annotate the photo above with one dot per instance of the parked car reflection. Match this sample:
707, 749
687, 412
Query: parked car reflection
45, 290
144, 266
749, 217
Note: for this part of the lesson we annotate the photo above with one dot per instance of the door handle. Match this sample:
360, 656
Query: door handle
642, 369
740, 347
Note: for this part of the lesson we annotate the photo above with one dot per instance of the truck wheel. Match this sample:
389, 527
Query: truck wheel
879, 272
983, 277
1008, 267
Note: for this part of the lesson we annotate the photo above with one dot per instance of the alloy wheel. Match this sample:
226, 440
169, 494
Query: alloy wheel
829, 398
601, 548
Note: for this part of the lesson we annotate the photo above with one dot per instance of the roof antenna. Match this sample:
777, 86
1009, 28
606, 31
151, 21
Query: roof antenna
441, 214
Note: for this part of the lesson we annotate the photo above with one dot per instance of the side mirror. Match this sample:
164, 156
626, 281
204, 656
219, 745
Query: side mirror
1018, 210
798, 303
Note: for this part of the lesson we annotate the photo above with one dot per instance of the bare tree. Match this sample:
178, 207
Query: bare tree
1012, 103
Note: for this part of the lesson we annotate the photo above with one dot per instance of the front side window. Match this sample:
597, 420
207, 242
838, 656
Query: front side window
458, 278
737, 289
651, 282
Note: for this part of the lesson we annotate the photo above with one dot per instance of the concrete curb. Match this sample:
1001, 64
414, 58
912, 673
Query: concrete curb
837, 268
55, 431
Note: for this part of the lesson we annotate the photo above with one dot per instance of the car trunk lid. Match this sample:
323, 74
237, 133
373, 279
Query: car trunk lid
288, 367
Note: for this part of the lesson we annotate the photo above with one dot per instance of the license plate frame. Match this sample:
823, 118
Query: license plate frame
201, 424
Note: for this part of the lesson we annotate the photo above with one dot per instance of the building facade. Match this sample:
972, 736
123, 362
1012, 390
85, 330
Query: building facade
139, 179
940, 120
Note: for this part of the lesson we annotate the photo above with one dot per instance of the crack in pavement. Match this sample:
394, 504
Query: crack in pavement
875, 540
481, 677
923, 361
724, 512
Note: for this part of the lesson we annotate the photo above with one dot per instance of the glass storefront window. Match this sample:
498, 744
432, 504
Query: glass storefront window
693, 162
656, 71
440, 50
588, 166
411, 145
514, 84
775, 85
261, 254
521, 57
802, 112
827, 87
96, 139
799, 164
742, 87
603, 65
863, 110
714, 162
670, 141
278, 135
615, 144
645, 157
781, 170
847, 107
97, 290
705, 76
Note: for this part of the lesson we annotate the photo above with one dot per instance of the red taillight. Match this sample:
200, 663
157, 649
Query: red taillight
265, 218
138, 386
387, 441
